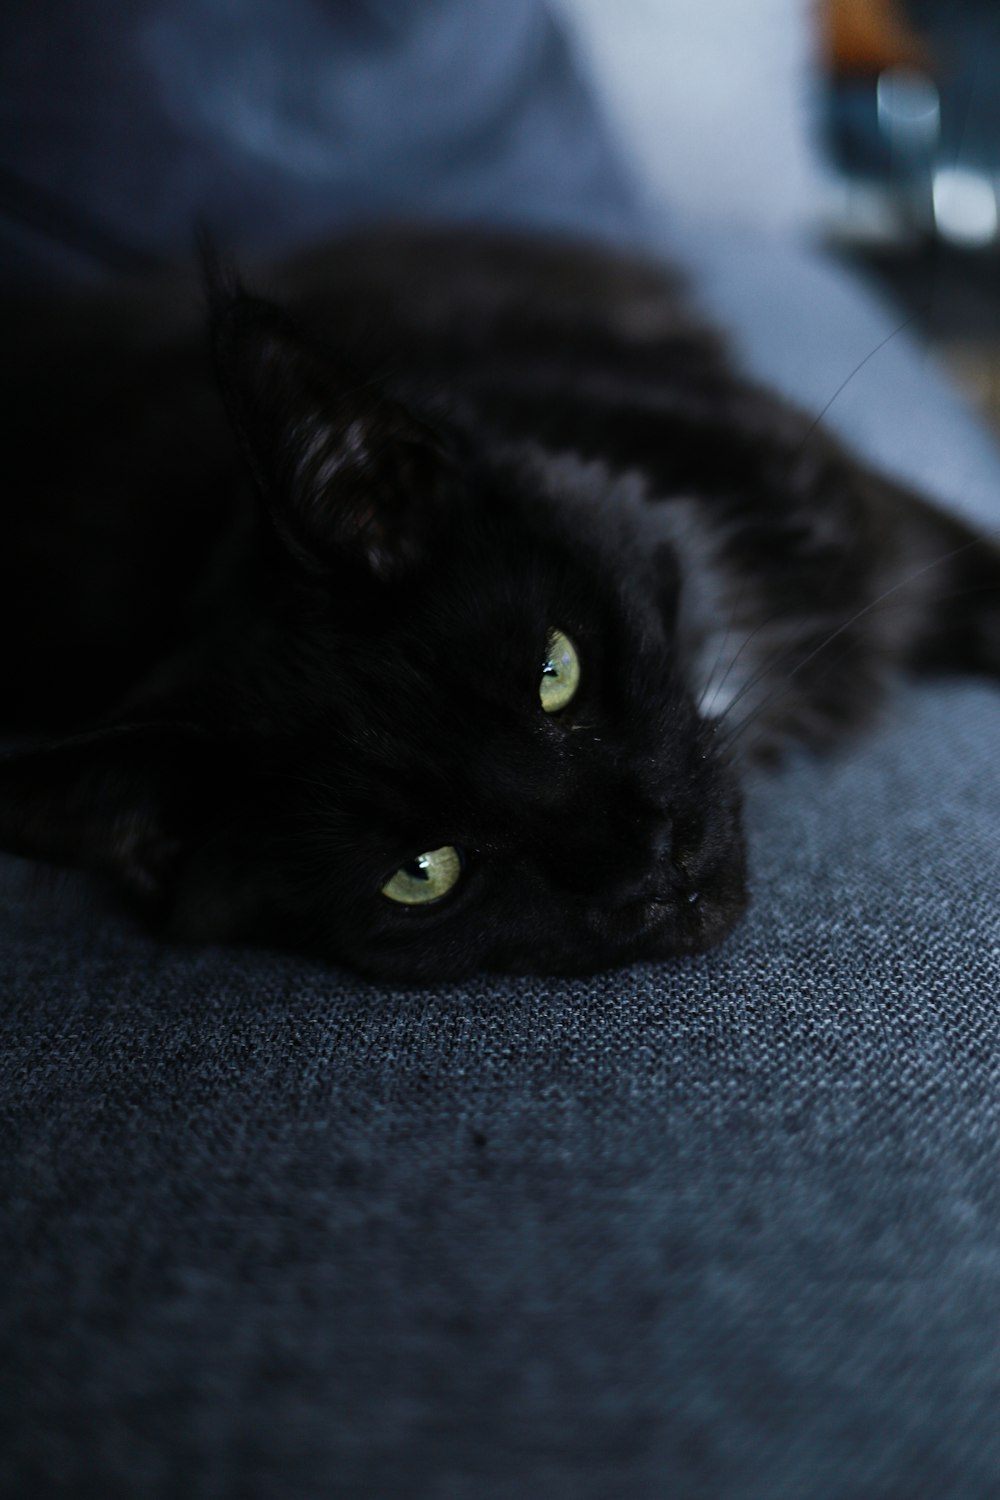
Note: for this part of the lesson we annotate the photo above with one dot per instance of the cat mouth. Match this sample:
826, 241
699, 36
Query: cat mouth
652, 930
686, 921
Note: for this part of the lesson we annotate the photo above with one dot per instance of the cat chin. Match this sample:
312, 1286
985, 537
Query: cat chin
653, 930
670, 940
658, 932
681, 922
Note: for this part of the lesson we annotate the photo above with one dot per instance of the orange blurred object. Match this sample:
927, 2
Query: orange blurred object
863, 37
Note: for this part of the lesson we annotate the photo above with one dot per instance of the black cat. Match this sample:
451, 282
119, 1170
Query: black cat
451, 659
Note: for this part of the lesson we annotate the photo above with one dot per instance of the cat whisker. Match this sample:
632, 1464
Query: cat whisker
906, 323
710, 684
718, 687
783, 687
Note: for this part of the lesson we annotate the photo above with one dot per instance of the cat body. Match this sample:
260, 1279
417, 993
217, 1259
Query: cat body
287, 648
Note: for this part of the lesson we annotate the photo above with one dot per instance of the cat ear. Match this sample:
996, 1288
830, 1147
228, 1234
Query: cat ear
346, 473
124, 801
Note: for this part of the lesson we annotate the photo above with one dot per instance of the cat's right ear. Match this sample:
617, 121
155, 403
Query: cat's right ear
346, 473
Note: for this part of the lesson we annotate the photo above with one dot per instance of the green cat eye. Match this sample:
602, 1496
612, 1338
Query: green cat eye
426, 878
560, 673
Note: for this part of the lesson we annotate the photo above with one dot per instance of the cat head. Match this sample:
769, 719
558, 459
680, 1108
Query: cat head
448, 726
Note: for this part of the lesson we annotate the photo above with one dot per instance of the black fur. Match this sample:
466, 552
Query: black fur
276, 658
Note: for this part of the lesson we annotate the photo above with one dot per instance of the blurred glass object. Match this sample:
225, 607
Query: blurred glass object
910, 107
965, 206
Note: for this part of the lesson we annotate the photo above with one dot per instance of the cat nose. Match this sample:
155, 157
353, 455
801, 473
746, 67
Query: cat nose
655, 876
647, 832
647, 871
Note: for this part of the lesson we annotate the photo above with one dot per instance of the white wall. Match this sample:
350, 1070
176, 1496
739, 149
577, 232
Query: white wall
711, 101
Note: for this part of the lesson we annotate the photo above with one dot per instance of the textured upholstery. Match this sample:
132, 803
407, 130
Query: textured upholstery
725, 1228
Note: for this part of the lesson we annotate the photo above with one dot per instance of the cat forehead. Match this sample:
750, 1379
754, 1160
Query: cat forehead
414, 735
498, 614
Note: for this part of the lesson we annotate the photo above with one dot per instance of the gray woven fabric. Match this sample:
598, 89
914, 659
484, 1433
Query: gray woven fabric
723, 1228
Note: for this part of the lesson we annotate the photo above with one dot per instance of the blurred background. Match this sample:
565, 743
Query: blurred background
871, 127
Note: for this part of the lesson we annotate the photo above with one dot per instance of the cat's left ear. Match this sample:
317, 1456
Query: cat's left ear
346, 473
129, 802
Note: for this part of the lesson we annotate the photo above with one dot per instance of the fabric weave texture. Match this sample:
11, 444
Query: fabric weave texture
726, 1227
